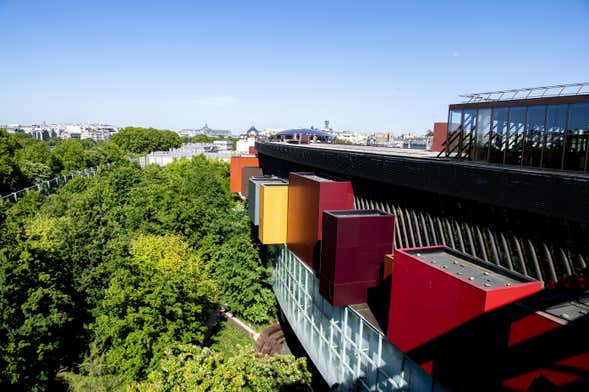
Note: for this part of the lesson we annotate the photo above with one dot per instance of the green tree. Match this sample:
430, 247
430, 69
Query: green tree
160, 296
145, 140
68, 156
189, 368
11, 177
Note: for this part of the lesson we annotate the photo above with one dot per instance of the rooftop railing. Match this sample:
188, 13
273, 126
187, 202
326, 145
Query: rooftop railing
557, 90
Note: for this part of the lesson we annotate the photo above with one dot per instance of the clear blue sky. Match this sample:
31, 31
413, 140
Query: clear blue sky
364, 65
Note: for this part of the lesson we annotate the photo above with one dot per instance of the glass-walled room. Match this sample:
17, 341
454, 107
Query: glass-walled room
547, 136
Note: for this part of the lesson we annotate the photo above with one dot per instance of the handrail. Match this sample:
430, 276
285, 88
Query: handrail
59, 181
556, 90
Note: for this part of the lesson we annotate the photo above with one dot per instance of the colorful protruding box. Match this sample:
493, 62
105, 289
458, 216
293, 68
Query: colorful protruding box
253, 201
273, 213
353, 246
237, 164
248, 172
553, 333
308, 196
387, 270
437, 289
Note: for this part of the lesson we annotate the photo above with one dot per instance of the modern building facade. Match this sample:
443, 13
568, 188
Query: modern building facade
508, 226
525, 127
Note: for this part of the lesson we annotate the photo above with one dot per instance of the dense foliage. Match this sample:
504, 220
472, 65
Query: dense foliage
189, 368
25, 161
99, 281
145, 140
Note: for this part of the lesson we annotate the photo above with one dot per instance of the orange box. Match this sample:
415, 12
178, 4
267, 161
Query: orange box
308, 196
237, 164
388, 266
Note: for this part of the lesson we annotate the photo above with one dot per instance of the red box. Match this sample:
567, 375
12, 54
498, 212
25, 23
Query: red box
440, 136
237, 163
551, 340
437, 289
248, 172
308, 196
353, 245
252, 150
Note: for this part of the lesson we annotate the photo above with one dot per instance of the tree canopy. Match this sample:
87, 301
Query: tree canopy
25, 161
144, 140
104, 281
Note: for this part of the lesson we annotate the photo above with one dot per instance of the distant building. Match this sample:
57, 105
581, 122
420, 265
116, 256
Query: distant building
94, 131
247, 140
223, 145
352, 137
188, 150
381, 139
304, 136
204, 131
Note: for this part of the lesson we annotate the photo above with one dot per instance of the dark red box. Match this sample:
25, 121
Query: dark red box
436, 289
353, 246
308, 196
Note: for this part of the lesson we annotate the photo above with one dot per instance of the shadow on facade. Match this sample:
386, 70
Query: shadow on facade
512, 348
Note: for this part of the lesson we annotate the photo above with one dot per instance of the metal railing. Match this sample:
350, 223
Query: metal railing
48, 186
556, 90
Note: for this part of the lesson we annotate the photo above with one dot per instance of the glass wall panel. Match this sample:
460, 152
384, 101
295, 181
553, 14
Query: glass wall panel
517, 127
455, 120
498, 134
556, 119
483, 128
469, 121
577, 137
534, 135
454, 125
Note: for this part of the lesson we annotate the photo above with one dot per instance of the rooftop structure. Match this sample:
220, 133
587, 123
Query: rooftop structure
544, 127
558, 90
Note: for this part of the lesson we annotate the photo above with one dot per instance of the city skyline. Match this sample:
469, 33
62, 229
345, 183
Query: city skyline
379, 67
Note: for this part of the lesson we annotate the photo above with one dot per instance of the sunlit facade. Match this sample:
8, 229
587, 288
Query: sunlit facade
540, 132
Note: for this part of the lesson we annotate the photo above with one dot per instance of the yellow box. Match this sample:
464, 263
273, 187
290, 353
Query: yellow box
273, 213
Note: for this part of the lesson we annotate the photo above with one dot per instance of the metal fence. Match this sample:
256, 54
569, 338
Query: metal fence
49, 186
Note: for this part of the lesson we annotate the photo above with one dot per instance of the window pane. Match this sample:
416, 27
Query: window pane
469, 125
454, 125
498, 135
483, 128
534, 135
579, 118
555, 124
577, 137
455, 120
517, 126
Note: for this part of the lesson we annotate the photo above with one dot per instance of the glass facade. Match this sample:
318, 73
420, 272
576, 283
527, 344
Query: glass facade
482, 134
515, 137
498, 134
548, 136
347, 350
534, 135
577, 138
